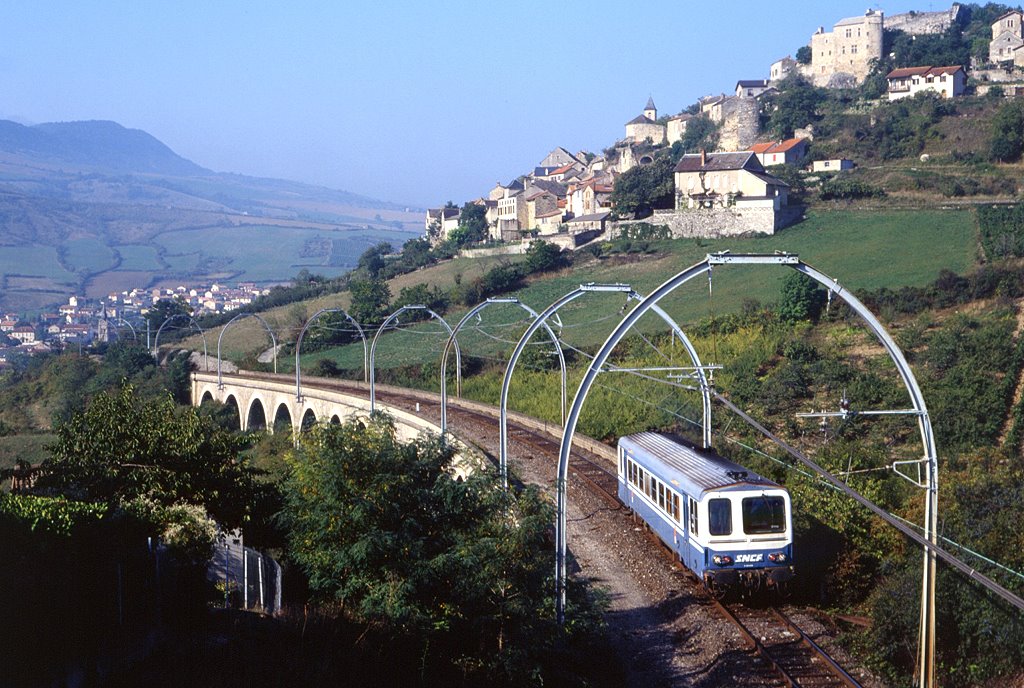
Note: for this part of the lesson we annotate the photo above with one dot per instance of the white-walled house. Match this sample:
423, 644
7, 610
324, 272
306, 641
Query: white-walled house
948, 82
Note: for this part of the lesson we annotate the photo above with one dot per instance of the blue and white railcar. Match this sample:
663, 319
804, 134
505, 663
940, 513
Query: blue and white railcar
730, 526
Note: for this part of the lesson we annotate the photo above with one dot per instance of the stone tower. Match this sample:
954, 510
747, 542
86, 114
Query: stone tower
842, 57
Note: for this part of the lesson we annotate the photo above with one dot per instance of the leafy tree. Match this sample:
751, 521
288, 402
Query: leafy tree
700, 133
542, 256
803, 55
802, 299
430, 296
372, 259
1006, 142
165, 309
370, 301
646, 187
122, 448
472, 225
385, 529
794, 106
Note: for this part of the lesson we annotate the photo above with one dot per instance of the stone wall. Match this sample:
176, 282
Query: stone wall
715, 223
918, 23
740, 126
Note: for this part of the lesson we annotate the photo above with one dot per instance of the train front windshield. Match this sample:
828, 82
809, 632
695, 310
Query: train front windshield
764, 514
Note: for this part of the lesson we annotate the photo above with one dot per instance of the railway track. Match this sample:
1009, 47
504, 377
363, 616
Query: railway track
788, 653
787, 656
591, 469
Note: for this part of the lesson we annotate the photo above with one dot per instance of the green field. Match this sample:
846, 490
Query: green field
862, 250
261, 253
38, 261
88, 255
138, 257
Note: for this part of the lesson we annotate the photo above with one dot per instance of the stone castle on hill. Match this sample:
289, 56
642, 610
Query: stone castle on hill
842, 57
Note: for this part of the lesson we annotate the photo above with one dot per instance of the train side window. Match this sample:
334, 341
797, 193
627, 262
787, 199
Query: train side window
661, 495
720, 517
675, 507
693, 515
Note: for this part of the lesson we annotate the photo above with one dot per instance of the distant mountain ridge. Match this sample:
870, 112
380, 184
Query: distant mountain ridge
97, 143
94, 207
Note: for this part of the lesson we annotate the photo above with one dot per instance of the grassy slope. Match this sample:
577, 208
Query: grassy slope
861, 249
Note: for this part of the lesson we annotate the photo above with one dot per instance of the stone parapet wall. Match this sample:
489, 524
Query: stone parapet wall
918, 23
714, 223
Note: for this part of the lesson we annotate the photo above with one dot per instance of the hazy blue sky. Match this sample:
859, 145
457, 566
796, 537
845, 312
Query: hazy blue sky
413, 102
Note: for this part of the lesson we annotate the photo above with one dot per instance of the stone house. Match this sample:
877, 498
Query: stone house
559, 174
675, 128
509, 209
590, 197
588, 223
708, 180
645, 126
490, 212
948, 82
502, 190
751, 88
441, 220
780, 69
788, 152
560, 157
539, 203
842, 57
549, 222
1007, 39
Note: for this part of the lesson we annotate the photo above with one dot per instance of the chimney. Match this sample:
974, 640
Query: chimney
703, 157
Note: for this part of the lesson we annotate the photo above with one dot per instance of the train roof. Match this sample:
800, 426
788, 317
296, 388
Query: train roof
694, 470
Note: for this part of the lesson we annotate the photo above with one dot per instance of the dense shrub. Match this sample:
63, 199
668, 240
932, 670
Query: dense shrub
843, 188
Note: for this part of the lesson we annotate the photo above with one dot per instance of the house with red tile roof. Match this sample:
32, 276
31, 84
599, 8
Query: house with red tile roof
788, 152
948, 82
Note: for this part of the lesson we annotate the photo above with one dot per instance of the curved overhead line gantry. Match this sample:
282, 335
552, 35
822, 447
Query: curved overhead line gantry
541, 320
451, 340
273, 341
193, 323
302, 333
392, 318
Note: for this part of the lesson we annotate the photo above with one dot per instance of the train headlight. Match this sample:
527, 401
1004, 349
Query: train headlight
722, 560
777, 557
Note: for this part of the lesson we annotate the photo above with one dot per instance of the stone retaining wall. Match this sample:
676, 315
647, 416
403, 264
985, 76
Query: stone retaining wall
714, 223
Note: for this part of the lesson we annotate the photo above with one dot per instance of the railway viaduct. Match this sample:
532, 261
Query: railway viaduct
254, 395
266, 401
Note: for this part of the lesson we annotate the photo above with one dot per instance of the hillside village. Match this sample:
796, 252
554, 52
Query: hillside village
730, 188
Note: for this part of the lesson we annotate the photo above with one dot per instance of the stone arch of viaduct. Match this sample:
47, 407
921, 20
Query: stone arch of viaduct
263, 402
